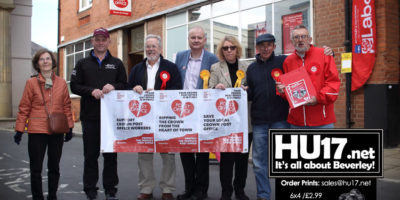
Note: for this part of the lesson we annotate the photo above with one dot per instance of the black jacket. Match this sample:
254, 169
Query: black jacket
266, 106
138, 75
89, 75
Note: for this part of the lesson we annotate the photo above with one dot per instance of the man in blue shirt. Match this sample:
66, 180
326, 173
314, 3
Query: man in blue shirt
190, 63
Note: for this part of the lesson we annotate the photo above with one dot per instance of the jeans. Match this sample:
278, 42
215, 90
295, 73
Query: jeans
311, 127
260, 156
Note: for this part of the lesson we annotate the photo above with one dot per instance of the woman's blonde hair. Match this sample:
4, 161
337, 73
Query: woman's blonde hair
234, 42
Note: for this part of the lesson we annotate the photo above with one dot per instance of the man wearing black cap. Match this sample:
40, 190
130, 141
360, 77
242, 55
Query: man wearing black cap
268, 110
93, 76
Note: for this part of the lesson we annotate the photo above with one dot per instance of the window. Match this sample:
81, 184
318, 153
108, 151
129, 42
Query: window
85, 4
241, 18
73, 53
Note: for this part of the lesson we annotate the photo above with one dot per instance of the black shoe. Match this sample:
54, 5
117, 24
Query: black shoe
184, 196
198, 197
51, 197
91, 196
111, 197
242, 196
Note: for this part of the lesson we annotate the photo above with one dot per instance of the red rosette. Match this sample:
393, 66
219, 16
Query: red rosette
275, 73
164, 76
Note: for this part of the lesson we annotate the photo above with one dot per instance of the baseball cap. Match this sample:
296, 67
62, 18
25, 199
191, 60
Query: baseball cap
101, 31
267, 37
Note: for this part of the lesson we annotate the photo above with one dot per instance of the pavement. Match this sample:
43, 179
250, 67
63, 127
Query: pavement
391, 160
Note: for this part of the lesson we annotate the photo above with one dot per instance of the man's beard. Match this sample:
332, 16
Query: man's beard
152, 58
302, 49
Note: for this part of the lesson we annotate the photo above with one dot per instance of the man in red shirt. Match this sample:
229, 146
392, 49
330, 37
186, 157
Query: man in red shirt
319, 111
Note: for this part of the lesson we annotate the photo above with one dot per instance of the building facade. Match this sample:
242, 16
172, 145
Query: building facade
244, 19
15, 57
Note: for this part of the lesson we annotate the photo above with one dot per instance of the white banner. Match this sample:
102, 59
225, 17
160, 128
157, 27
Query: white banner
175, 121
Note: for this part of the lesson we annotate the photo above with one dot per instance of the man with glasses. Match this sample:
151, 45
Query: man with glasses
149, 75
319, 111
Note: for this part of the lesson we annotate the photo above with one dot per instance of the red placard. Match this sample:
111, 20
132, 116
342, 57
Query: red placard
299, 87
288, 23
364, 42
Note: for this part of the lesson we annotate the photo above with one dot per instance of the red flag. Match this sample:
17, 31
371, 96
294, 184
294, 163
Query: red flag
364, 42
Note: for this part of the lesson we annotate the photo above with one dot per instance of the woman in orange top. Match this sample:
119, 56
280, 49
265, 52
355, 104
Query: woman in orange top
32, 108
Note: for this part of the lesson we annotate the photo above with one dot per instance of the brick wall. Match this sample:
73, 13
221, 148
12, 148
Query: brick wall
75, 24
329, 29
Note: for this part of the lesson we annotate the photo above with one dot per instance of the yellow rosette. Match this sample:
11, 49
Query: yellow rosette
240, 75
205, 75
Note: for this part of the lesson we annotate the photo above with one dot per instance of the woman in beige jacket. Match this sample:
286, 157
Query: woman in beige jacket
223, 75
32, 112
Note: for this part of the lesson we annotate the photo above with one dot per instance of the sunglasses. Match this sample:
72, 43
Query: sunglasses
232, 48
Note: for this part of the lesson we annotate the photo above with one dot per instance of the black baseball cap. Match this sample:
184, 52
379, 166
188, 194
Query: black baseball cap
267, 37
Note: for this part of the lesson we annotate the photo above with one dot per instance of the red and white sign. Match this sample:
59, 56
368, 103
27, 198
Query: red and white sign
121, 7
175, 121
288, 24
364, 42
261, 28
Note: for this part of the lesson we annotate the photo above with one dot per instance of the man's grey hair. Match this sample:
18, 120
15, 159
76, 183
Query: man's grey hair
198, 27
156, 37
300, 26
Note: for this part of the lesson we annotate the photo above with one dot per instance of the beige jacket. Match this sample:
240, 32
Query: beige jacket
220, 74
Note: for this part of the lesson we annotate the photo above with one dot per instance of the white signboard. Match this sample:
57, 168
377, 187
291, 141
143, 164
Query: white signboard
175, 121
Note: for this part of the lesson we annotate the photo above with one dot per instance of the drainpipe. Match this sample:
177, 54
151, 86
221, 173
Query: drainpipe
348, 4
58, 36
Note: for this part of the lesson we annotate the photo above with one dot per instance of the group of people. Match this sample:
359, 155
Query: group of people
100, 73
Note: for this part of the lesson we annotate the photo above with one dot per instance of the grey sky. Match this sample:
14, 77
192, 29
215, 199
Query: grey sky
44, 23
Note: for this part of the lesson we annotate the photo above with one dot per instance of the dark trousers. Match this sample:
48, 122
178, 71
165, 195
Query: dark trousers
91, 152
240, 161
37, 144
196, 171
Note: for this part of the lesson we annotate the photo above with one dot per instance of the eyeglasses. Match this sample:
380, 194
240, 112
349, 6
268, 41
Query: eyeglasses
232, 48
44, 59
151, 47
298, 37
